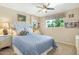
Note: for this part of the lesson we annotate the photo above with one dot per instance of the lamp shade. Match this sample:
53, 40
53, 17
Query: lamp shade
4, 25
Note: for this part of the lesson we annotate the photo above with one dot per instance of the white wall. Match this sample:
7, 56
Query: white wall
12, 15
63, 35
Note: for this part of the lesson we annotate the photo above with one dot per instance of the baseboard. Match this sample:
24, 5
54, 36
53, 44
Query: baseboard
66, 43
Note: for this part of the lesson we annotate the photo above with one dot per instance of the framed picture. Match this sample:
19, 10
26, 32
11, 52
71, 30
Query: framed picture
71, 15
21, 17
72, 24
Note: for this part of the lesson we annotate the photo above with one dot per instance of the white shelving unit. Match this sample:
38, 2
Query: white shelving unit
77, 44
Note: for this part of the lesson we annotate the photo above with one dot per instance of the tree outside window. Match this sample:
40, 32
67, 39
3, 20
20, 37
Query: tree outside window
59, 22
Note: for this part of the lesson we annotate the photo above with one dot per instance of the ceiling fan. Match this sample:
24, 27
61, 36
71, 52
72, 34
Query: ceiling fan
44, 8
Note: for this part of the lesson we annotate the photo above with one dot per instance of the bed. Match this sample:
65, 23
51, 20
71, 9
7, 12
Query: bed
32, 44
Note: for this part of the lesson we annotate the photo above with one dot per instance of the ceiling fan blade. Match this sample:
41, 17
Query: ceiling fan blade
48, 4
44, 6
39, 7
50, 8
39, 10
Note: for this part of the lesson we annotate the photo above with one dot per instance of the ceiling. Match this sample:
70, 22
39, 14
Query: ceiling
30, 8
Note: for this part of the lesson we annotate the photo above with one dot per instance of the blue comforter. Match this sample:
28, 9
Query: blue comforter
33, 44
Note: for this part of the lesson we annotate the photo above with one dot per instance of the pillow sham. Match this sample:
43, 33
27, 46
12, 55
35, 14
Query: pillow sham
22, 33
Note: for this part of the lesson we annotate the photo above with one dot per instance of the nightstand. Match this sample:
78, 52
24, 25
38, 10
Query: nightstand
37, 31
5, 41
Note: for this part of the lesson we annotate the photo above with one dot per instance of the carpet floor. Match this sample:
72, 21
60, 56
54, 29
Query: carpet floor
62, 49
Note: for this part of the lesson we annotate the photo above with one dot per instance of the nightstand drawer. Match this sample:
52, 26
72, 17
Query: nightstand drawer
5, 42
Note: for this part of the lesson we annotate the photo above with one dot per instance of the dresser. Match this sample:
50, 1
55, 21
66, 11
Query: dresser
5, 41
77, 44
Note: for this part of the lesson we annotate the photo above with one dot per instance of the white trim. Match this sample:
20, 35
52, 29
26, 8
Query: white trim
65, 42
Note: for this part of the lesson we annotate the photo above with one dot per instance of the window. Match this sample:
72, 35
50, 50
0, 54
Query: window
59, 22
